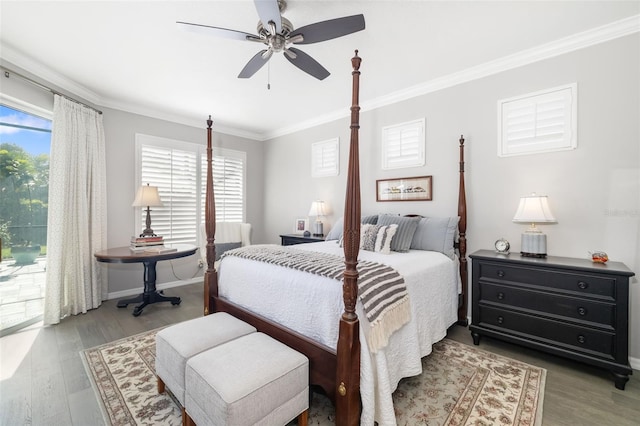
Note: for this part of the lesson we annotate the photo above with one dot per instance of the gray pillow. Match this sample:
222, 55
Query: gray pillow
436, 234
407, 226
371, 219
222, 247
336, 231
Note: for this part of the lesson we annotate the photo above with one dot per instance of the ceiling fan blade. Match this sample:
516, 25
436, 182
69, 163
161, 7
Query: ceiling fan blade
218, 32
307, 64
327, 30
268, 10
254, 64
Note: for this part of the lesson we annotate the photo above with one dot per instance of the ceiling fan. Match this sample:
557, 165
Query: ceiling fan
277, 33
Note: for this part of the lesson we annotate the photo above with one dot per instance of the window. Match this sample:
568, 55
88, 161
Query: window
325, 158
403, 145
179, 170
544, 121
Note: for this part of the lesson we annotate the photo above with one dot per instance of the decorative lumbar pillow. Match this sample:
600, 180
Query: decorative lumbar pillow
384, 237
436, 234
407, 226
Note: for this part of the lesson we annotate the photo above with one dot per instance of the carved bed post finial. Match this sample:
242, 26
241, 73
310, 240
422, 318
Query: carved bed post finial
210, 275
462, 239
348, 350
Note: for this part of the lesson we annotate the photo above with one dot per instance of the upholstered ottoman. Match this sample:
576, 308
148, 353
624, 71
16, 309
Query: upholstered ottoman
177, 343
252, 380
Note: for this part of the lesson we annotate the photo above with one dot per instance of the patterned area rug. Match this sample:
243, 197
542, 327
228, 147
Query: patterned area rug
459, 385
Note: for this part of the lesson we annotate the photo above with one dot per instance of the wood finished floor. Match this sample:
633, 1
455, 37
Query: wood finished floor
43, 380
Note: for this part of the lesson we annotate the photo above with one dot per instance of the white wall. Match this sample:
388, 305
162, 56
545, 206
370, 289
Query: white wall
120, 130
594, 191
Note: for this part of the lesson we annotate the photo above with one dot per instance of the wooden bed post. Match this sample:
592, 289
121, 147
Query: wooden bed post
462, 240
348, 350
210, 276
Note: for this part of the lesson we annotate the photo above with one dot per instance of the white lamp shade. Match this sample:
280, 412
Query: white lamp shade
317, 209
147, 196
534, 209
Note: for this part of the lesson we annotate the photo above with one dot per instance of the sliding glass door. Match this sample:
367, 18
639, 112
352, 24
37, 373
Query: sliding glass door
25, 140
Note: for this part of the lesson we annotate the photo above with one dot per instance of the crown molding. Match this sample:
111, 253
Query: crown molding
604, 33
45, 73
552, 49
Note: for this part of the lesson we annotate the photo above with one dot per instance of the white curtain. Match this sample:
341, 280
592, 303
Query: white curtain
76, 226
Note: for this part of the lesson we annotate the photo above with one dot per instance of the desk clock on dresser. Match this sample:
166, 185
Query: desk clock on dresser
569, 307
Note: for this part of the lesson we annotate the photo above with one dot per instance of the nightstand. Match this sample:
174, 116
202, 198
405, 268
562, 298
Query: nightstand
292, 239
565, 306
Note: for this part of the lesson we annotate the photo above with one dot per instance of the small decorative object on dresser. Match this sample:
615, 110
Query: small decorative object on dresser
300, 226
502, 246
569, 307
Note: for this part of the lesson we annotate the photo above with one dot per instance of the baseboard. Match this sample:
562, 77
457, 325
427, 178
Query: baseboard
163, 286
635, 363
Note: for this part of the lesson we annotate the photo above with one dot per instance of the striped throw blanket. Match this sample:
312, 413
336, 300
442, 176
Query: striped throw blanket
381, 289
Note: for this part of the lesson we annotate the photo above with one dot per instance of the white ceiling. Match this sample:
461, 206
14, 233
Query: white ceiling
131, 55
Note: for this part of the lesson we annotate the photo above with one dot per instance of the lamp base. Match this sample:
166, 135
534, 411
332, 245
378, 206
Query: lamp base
148, 233
533, 244
318, 229
536, 255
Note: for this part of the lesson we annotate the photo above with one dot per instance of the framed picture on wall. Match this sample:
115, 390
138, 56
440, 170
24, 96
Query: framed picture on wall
300, 226
404, 189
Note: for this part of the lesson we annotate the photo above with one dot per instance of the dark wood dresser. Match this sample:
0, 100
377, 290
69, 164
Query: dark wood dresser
291, 239
565, 306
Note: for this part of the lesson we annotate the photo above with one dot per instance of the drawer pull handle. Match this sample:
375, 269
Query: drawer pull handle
582, 285
581, 339
582, 311
500, 320
500, 295
500, 273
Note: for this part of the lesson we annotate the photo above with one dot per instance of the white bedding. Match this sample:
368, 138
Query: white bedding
312, 305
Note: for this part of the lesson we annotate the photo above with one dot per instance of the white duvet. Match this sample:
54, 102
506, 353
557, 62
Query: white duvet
312, 305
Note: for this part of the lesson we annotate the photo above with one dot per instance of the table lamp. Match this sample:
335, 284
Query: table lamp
147, 196
534, 209
317, 210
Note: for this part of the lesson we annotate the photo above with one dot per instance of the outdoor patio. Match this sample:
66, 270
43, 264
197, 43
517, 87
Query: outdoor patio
21, 293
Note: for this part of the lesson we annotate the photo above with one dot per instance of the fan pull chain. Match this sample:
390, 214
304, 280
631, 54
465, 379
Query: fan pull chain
268, 75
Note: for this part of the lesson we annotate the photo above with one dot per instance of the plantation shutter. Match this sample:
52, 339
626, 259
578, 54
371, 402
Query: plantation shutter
179, 170
403, 145
538, 122
325, 158
175, 174
228, 184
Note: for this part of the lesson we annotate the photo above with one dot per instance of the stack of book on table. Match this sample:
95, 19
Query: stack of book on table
149, 245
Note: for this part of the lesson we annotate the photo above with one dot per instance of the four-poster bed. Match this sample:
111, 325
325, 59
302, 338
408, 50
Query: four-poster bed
336, 368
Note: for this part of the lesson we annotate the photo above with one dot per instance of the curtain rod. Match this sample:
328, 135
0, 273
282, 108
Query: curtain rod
8, 73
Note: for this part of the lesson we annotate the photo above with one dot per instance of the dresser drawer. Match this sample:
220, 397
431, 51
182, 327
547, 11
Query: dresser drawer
595, 313
584, 284
578, 339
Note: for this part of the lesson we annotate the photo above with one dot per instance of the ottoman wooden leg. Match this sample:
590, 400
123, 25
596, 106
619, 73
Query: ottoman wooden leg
160, 385
189, 420
303, 418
